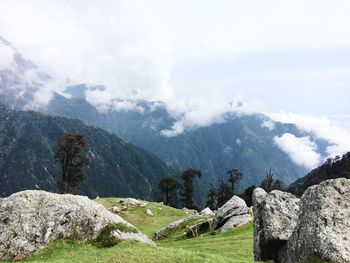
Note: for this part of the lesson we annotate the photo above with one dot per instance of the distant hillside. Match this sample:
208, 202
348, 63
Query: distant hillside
240, 142
28, 141
333, 168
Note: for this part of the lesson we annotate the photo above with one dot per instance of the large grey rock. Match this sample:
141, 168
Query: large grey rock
31, 219
233, 207
324, 224
275, 217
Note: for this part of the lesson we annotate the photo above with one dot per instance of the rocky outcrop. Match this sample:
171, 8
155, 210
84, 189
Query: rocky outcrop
323, 229
275, 217
319, 230
29, 220
232, 214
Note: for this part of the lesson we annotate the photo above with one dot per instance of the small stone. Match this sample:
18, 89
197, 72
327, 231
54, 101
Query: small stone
149, 212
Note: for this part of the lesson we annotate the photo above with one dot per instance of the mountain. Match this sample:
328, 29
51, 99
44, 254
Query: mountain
242, 141
20, 79
28, 141
334, 168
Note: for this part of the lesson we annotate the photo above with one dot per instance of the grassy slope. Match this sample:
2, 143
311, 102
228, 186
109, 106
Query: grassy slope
163, 215
234, 246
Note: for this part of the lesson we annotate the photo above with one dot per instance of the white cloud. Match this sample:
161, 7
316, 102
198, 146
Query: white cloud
127, 106
302, 150
135, 47
204, 110
142, 50
321, 127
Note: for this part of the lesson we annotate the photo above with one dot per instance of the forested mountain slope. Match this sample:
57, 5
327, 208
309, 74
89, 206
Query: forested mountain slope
28, 141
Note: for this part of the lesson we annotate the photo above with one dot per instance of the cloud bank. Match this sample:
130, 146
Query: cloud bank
301, 150
214, 55
142, 50
320, 127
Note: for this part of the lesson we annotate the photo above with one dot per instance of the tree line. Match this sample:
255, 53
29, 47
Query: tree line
170, 188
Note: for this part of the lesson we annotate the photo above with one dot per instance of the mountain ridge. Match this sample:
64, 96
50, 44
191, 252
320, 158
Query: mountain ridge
30, 139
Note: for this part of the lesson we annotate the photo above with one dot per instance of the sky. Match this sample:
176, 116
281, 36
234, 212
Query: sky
289, 58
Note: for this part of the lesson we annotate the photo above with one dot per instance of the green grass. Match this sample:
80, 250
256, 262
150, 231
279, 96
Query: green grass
125, 252
231, 246
234, 246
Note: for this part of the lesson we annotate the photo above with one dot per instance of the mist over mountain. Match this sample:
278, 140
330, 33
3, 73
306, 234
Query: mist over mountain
241, 141
233, 135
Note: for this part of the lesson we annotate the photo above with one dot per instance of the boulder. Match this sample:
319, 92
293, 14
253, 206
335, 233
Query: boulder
149, 212
323, 230
233, 207
275, 217
173, 226
207, 212
199, 228
29, 220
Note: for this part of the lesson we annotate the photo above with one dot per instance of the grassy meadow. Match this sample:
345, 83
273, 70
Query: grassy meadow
234, 246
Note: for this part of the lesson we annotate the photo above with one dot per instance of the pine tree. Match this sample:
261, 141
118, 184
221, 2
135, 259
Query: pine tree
167, 189
212, 196
187, 194
235, 176
224, 194
72, 156
269, 183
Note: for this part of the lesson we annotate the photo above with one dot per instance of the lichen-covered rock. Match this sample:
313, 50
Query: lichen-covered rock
207, 212
323, 230
236, 221
31, 219
173, 226
233, 207
275, 216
